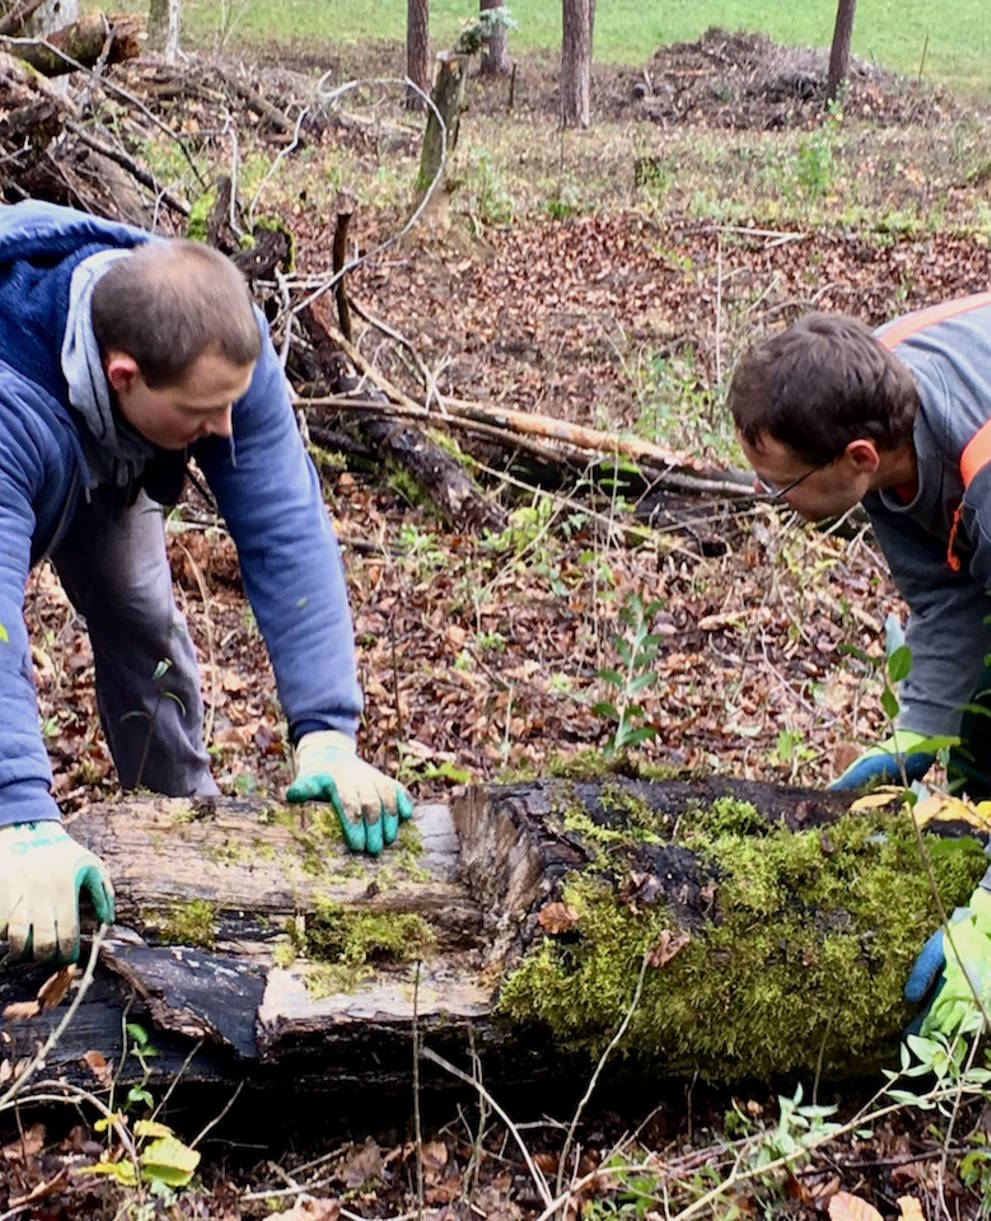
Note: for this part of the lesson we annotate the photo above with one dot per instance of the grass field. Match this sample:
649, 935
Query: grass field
892, 33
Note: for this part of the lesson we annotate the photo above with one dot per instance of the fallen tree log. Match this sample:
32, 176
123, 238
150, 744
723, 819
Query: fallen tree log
668, 467
443, 480
83, 43
773, 928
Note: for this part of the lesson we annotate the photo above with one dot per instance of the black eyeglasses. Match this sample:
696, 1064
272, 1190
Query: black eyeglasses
777, 492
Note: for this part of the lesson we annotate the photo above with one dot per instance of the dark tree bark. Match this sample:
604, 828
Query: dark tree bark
576, 62
495, 50
417, 50
839, 56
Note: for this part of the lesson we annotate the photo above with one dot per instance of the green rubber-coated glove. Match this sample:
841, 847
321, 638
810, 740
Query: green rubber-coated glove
885, 762
368, 803
952, 1006
42, 873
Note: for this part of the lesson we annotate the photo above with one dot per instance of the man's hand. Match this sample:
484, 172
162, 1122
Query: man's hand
889, 762
368, 803
42, 872
952, 1006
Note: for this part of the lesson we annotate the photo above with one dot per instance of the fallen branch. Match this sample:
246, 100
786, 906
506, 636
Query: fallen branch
677, 469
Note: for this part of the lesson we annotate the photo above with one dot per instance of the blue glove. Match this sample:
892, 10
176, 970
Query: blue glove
952, 1007
884, 763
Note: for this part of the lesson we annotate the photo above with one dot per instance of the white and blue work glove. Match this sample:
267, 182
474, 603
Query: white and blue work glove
368, 803
43, 872
938, 971
890, 762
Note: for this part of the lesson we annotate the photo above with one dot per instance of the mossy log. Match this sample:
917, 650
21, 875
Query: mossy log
84, 42
776, 925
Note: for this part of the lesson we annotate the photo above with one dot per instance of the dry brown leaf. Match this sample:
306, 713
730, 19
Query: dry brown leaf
98, 1065
911, 1209
364, 1166
846, 1207
557, 918
21, 1150
56, 986
21, 1011
669, 945
308, 1209
434, 1156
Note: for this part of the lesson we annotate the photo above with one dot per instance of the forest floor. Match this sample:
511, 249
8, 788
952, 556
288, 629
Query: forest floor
610, 278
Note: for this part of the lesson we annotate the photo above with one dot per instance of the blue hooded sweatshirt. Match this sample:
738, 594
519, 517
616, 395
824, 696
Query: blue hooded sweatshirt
264, 483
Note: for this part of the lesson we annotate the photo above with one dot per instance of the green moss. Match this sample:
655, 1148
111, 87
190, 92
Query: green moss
342, 946
199, 213
192, 924
805, 943
230, 852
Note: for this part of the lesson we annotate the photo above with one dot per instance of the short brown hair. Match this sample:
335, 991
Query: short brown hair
167, 302
822, 383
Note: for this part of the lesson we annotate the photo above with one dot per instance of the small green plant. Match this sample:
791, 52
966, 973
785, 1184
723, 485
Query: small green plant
163, 667
637, 649
814, 170
488, 197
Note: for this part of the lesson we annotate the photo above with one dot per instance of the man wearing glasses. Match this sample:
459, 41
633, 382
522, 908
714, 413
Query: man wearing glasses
831, 414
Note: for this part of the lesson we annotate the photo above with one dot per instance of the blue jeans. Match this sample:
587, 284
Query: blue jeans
113, 566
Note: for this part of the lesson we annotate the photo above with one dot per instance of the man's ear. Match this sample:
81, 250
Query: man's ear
122, 371
863, 455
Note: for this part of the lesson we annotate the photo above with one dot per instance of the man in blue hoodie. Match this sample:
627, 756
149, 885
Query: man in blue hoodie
122, 356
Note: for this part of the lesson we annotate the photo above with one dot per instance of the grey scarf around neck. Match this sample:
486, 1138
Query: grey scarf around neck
115, 454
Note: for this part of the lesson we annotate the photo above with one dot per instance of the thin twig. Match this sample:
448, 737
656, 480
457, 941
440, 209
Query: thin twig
217, 1118
7, 1099
539, 1181
613, 1043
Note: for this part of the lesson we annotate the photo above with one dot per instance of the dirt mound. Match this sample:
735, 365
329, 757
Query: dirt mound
746, 81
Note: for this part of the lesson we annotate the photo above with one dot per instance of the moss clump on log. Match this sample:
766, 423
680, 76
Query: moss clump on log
798, 940
193, 924
342, 945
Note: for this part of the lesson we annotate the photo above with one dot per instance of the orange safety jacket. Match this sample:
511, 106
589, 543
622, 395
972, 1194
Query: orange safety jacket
976, 453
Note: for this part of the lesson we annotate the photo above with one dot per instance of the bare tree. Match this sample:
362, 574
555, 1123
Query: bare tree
163, 27
576, 61
417, 50
839, 56
495, 49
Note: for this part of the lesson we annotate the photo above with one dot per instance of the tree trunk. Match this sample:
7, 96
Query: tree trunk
495, 49
417, 51
772, 929
839, 55
449, 488
576, 62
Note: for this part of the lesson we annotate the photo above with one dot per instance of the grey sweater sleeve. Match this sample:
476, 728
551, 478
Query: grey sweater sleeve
946, 632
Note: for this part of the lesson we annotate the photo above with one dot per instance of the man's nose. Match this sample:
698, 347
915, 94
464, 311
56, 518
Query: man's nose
222, 424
